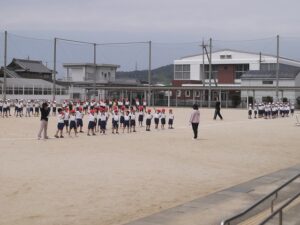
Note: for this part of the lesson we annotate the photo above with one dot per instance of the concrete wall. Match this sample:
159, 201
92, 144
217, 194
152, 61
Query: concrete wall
58, 98
77, 74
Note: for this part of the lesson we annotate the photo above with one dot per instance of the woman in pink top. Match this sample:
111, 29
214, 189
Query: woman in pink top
195, 119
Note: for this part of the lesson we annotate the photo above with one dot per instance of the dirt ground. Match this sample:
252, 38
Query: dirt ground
113, 179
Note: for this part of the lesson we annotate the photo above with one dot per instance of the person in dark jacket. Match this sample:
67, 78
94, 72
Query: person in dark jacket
45, 111
218, 109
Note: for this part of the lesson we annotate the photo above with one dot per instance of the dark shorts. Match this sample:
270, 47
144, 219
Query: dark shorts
115, 124
141, 118
102, 125
250, 112
54, 109
132, 123
73, 124
91, 125
126, 123
36, 110
148, 122
170, 122
163, 121
122, 119
66, 122
60, 126
156, 120
79, 122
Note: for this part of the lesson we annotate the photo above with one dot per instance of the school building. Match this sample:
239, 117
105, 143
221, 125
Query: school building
237, 69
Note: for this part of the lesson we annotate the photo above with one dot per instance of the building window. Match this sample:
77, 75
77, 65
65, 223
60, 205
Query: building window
214, 71
9, 90
18, 90
267, 82
178, 93
225, 56
240, 69
182, 72
28, 91
187, 93
268, 66
197, 94
38, 91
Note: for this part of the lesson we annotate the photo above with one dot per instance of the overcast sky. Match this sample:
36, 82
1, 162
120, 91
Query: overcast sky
156, 20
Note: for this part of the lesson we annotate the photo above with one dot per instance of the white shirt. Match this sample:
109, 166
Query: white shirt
72, 117
171, 116
132, 116
102, 117
126, 117
163, 116
116, 117
149, 116
91, 117
60, 118
157, 115
79, 115
66, 117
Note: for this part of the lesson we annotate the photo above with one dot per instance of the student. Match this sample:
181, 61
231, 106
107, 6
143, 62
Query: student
1, 107
122, 116
195, 119
156, 118
60, 123
171, 119
126, 121
218, 110
45, 110
132, 121
127, 103
91, 124
102, 119
148, 119
36, 108
141, 116
250, 111
54, 108
115, 122
255, 110
144, 104
73, 125
5, 109
79, 117
292, 109
27, 113
66, 119
163, 119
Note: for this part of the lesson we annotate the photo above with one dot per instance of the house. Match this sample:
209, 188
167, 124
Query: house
25, 68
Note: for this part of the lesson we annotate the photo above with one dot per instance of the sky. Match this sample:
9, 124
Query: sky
177, 27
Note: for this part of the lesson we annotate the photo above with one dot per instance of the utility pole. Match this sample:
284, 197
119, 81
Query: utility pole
210, 73
203, 64
54, 71
149, 75
95, 73
5, 63
277, 68
260, 60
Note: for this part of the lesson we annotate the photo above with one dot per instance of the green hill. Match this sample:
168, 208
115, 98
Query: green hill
162, 75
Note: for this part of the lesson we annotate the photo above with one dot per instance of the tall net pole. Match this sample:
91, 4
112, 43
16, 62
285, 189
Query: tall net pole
149, 75
54, 71
5, 63
210, 73
277, 69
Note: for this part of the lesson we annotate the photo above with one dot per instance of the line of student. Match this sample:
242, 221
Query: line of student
98, 118
270, 110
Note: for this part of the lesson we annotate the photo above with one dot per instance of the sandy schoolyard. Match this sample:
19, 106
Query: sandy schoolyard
114, 179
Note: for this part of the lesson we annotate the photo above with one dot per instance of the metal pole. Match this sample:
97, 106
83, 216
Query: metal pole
277, 68
5, 62
203, 64
54, 71
280, 217
210, 73
149, 75
260, 61
95, 75
169, 93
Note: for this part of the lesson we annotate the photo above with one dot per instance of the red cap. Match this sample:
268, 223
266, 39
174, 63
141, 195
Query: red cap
163, 110
149, 110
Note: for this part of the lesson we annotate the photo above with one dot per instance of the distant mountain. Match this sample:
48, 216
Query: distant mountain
162, 75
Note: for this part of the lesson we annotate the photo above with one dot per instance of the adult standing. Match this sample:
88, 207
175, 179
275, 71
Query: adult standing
218, 110
45, 111
195, 119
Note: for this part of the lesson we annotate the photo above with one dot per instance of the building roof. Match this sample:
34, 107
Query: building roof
256, 74
89, 64
238, 57
20, 82
33, 66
